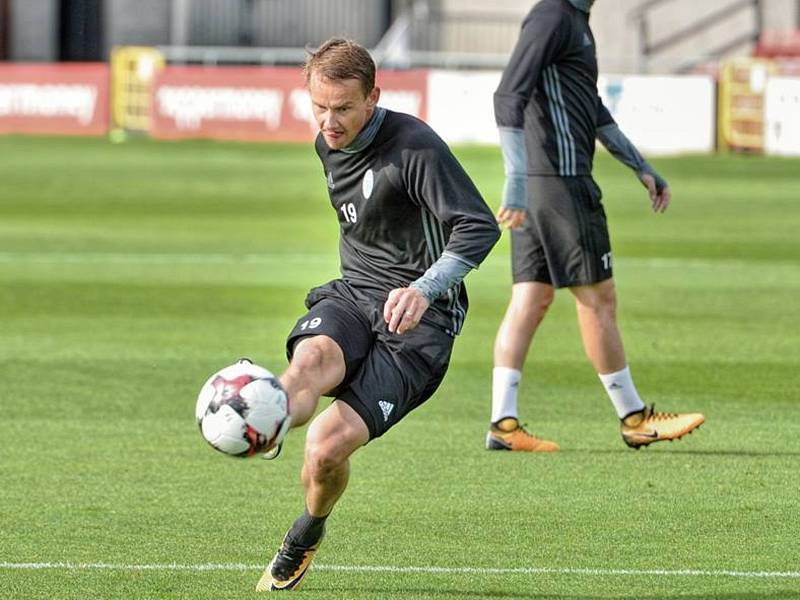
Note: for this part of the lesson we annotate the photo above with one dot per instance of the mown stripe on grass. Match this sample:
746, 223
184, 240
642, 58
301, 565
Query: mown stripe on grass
177, 258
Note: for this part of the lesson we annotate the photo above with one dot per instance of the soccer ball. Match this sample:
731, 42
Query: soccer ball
242, 410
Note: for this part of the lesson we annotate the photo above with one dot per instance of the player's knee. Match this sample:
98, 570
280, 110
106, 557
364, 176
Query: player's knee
531, 307
541, 302
323, 459
600, 299
313, 354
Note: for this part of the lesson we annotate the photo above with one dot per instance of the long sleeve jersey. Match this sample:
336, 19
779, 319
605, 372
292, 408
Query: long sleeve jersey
549, 88
403, 201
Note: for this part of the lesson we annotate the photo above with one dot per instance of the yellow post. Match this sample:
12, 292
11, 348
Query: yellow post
133, 69
742, 82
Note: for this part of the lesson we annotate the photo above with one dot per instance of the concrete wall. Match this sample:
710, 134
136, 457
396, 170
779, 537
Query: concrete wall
283, 22
34, 30
141, 23
617, 33
221, 23
34, 26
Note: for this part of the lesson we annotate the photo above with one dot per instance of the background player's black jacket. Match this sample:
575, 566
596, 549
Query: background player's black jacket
401, 202
549, 87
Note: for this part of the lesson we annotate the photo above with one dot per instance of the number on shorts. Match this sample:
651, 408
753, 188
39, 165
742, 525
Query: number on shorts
311, 324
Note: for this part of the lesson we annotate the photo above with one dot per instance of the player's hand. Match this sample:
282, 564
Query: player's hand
659, 201
404, 309
510, 218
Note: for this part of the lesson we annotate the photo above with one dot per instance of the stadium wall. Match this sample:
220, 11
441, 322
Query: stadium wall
661, 114
57, 99
33, 31
471, 26
782, 116
255, 103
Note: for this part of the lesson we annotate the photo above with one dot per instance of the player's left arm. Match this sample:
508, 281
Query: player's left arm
624, 151
436, 180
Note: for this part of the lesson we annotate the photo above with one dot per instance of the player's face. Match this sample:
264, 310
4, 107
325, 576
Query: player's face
340, 108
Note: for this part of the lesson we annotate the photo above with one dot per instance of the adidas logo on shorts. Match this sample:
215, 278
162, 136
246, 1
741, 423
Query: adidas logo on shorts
387, 408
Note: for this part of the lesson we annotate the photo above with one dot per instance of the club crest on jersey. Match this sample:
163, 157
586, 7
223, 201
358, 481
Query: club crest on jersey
331, 185
367, 184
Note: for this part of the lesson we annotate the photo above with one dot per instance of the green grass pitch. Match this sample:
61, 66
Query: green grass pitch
131, 272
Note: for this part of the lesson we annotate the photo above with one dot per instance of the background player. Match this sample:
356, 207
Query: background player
549, 113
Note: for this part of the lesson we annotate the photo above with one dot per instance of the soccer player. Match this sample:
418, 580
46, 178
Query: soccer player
549, 113
378, 340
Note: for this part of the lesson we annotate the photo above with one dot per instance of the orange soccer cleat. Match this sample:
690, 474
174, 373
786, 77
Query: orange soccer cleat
508, 434
648, 426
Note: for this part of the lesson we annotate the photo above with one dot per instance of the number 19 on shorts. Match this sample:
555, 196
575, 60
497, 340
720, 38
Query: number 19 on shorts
311, 323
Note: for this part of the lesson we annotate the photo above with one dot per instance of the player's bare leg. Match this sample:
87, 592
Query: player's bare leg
640, 425
597, 318
332, 438
526, 310
317, 366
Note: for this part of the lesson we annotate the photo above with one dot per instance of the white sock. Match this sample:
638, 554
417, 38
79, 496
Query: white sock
620, 389
505, 384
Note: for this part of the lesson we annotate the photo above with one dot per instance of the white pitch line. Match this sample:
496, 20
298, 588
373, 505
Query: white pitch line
70, 566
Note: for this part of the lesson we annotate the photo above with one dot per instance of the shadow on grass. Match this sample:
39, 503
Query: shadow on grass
425, 592
732, 452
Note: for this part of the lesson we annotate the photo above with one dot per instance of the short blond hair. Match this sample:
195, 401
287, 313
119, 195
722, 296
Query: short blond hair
339, 59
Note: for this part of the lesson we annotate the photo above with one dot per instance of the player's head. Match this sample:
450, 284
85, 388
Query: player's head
341, 81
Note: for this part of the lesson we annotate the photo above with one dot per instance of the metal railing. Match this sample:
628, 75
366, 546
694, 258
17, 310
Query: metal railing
650, 47
421, 35
275, 23
232, 55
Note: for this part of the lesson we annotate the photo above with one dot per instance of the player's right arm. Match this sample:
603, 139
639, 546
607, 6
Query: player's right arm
539, 43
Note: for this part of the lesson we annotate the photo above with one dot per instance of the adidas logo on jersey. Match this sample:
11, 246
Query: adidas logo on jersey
331, 185
387, 408
587, 41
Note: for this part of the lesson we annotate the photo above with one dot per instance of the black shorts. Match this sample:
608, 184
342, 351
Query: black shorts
387, 375
564, 240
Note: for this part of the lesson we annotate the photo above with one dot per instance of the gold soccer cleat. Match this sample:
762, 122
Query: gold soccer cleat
288, 567
508, 434
648, 426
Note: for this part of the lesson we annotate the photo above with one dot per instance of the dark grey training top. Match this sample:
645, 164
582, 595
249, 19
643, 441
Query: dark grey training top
402, 201
549, 87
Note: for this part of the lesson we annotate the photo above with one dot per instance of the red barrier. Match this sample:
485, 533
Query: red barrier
256, 103
69, 99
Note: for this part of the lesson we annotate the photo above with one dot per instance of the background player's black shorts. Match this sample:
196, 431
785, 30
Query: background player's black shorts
564, 240
387, 375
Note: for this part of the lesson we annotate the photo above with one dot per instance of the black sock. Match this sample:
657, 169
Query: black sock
307, 530
630, 414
